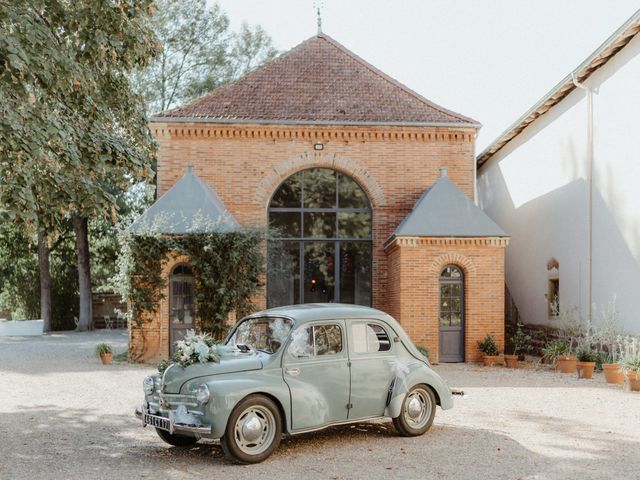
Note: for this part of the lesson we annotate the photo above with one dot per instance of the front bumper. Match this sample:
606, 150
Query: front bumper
168, 424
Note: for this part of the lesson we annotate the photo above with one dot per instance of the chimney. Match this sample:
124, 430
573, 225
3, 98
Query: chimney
443, 171
190, 168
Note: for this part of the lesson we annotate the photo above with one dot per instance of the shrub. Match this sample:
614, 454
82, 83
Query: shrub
555, 349
586, 354
423, 350
630, 354
488, 346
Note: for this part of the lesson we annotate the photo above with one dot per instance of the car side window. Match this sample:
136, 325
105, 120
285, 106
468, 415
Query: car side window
316, 340
369, 338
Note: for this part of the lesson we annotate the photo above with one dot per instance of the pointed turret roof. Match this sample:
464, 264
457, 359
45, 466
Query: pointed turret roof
189, 206
316, 82
445, 211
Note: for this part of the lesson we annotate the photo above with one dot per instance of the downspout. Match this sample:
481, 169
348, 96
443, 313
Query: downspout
589, 94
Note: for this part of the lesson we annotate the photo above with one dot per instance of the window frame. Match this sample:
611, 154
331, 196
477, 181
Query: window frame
378, 323
338, 242
451, 281
181, 277
314, 357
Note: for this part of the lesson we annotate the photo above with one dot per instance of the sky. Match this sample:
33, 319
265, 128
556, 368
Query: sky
490, 60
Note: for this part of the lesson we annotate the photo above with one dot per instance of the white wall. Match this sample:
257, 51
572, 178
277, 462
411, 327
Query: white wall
536, 189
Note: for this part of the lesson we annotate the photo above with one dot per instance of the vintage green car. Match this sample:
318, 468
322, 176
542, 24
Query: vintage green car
296, 369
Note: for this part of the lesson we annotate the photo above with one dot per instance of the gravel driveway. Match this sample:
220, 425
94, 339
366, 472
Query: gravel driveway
63, 415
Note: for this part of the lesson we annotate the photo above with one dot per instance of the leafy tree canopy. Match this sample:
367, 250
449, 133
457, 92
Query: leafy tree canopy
199, 52
72, 133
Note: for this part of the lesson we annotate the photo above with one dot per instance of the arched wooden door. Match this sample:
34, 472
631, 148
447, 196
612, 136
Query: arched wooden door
451, 314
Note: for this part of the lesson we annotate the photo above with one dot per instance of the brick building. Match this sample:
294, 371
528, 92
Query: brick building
369, 185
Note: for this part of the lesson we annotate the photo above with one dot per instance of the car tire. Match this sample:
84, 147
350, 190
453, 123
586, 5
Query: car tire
418, 410
254, 430
177, 440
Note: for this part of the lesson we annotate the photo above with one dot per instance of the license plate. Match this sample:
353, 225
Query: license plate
158, 422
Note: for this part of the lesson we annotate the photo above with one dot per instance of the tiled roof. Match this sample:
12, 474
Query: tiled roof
189, 206
317, 82
445, 211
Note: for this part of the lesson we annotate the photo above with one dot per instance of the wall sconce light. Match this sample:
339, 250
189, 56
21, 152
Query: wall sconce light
318, 146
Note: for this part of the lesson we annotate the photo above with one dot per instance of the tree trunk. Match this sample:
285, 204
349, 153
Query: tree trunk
85, 316
45, 279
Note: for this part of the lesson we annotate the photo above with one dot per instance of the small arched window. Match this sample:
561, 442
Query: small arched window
451, 296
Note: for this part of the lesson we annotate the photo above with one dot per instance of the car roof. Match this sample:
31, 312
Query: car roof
307, 312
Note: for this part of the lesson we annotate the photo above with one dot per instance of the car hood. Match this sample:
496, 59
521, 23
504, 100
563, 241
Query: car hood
176, 375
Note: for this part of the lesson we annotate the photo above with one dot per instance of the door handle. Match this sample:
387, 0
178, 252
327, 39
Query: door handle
292, 371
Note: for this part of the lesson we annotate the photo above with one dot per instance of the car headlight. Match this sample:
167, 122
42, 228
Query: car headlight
202, 394
148, 385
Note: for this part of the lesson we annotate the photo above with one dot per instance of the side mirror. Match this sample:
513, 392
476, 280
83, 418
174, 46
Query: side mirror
396, 339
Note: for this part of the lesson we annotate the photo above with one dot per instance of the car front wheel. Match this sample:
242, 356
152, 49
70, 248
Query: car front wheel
177, 440
418, 410
254, 430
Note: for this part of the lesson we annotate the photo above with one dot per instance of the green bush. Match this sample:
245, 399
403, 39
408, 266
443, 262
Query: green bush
554, 349
488, 346
586, 354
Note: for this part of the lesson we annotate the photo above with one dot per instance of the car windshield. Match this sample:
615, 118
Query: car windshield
264, 333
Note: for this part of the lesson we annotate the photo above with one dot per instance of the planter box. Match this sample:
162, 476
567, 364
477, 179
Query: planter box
21, 328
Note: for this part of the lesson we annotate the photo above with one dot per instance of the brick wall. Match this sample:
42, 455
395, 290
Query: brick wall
245, 164
414, 300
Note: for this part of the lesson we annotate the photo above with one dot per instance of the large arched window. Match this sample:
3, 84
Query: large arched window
321, 247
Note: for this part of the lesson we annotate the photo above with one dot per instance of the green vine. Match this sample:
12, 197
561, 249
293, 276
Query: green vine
227, 268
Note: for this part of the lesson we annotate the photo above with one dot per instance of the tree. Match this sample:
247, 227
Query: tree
198, 53
72, 132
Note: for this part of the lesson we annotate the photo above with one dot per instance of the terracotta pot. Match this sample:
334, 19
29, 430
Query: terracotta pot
585, 369
634, 380
106, 358
613, 373
511, 361
567, 363
490, 360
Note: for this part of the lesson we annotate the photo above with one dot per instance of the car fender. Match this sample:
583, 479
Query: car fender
415, 374
227, 390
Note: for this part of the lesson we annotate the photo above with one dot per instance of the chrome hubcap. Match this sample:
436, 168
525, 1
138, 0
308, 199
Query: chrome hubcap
252, 428
255, 430
414, 408
417, 408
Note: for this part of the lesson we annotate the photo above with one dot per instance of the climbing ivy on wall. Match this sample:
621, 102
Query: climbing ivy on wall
227, 269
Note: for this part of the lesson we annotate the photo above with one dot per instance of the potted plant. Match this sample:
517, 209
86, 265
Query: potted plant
104, 351
489, 348
630, 362
586, 361
557, 352
519, 344
609, 336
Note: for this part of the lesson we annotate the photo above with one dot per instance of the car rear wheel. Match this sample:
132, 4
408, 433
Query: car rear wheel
254, 430
418, 410
176, 440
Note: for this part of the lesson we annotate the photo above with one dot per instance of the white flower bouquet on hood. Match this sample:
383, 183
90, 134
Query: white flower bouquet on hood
195, 349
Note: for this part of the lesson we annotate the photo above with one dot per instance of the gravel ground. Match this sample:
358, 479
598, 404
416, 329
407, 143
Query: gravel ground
63, 415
